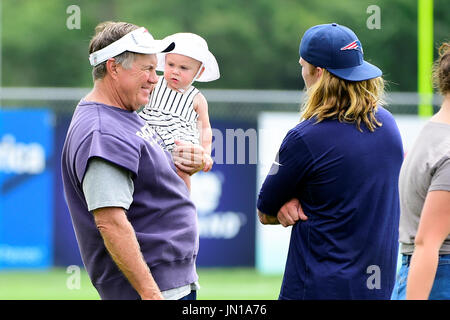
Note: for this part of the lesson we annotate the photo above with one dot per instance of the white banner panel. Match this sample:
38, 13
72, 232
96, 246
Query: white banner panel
272, 242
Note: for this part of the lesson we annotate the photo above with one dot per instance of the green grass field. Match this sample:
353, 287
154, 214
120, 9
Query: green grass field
216, 284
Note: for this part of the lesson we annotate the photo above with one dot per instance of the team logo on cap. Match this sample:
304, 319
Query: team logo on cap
355, 45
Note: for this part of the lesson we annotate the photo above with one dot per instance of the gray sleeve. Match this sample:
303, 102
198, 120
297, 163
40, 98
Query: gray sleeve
107, 185
441, 178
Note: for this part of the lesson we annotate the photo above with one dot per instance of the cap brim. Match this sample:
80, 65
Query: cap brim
116, 48
169, 46
364, 71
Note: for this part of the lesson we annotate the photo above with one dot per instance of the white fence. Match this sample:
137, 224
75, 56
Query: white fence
212, 95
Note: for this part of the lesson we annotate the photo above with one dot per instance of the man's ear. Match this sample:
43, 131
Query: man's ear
111, 67
319, 72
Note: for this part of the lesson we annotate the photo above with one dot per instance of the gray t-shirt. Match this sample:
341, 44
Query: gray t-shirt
426, 168
107, 185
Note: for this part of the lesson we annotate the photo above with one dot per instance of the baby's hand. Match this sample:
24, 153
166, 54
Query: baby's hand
208, 161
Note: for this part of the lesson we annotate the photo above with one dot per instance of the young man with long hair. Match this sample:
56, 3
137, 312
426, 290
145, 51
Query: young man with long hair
336, 177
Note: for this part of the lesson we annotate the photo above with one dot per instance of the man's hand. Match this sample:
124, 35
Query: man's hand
290, 213
188, 157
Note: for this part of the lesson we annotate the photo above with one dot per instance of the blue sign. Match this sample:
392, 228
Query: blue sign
26, 187
65, 248
225, 197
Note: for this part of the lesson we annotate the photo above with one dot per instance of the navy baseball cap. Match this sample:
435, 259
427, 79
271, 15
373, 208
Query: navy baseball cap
337, 49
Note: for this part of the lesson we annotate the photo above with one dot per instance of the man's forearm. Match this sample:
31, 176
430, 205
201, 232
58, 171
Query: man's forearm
121, 243
266, 219
421, 274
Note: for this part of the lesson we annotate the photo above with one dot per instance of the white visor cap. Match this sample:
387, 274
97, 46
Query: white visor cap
138, 41
193, 46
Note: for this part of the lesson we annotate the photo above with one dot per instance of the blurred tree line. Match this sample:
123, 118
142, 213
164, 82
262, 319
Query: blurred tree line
255, 42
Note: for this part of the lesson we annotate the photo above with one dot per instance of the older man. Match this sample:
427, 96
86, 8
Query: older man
135, 224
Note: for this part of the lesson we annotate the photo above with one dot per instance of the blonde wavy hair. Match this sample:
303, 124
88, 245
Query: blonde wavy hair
347, 101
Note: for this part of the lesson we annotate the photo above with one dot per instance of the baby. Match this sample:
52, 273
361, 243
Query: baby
177, 110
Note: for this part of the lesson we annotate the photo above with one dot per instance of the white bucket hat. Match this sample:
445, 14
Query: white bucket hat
139, 41
193, 46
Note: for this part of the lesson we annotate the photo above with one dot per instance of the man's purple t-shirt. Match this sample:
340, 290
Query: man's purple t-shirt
162, 214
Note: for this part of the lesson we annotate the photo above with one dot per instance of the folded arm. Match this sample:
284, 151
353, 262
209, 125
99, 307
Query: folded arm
289, 214
278, 193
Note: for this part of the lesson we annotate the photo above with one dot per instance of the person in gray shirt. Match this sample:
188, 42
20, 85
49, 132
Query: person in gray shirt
425, 203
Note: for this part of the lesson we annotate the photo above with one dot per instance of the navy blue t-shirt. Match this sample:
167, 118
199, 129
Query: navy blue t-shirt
347, 183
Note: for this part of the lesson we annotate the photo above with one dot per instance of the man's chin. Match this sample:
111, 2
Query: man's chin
142, 103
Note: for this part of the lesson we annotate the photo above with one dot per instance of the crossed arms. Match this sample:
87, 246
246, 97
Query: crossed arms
288, 215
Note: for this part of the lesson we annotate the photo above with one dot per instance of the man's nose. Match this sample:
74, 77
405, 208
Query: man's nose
153, 77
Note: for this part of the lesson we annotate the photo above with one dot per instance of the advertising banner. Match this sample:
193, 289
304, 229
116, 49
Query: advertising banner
272, 242
26, 187
65, 247
225, 197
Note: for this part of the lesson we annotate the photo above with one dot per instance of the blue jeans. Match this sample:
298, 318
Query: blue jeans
190, 296
441, 284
